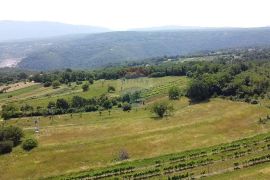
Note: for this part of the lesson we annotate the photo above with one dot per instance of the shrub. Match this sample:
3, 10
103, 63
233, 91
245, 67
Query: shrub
126, 106
47, 84
174, 93
10, 111
78, 82
11, 133
198, 90
126, 98
6, 147
91, 81
90, 108
254, 101
29, 144
62, 104
107, 104
162, 109
56, 84
111, 89
85, 87
123, 155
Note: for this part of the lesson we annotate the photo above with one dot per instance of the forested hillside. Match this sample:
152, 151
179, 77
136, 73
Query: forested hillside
108, 48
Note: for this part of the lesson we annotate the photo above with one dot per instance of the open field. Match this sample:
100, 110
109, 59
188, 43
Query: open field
37, 95
17, 86
74, 144
90, 141
213, 161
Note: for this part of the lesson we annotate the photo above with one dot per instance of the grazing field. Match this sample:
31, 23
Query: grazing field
88, 144
16, 86
70, 144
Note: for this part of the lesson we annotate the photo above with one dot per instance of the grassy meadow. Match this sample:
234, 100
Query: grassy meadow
89, 141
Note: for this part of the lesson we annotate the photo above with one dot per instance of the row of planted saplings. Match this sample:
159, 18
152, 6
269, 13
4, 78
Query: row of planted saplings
187, 166
104, 174
222, 150
182, 158
252, 162
180, 176
144, 175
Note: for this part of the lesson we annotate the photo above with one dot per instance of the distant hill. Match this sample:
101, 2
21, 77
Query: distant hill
172, 28
99, 50
17, 30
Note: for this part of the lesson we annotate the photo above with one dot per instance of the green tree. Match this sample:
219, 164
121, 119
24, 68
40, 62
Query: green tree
111, 89
78, 102
27, 109
6, 147
174, 93
62, 104
107, 104
91, 80
29, 144
198, 90
126, 106
126, 98
162, 108
56, 84
10, 111
85, 87
11, 133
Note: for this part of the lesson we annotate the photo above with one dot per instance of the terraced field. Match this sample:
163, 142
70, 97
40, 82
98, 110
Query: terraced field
197, 140
193, 164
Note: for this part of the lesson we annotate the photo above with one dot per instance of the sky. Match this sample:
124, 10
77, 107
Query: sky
128, 14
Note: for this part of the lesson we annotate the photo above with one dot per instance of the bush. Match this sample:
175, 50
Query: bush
254, 101
56, 84
6, 147
126, 106
162, 109
126, 98
107, 104
29, 144
62, 104
10, 111
198, 91
91, 81
11, 133
174, 93
85, 87
47, 84
123, 155
111, 89
90, 108
79, 82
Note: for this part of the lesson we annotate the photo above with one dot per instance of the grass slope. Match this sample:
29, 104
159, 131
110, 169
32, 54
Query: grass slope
91, 141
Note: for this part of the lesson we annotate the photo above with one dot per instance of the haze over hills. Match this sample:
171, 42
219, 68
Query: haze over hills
174, 28
102, 49
18, 30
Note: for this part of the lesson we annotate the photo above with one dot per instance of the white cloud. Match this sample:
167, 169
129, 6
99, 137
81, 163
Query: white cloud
124, 14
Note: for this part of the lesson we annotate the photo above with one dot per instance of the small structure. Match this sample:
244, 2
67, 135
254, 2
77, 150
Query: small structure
37, 125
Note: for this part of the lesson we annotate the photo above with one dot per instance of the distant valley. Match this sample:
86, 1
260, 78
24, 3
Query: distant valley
107, 48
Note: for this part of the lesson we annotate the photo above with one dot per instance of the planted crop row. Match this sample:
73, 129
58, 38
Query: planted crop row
221, 158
